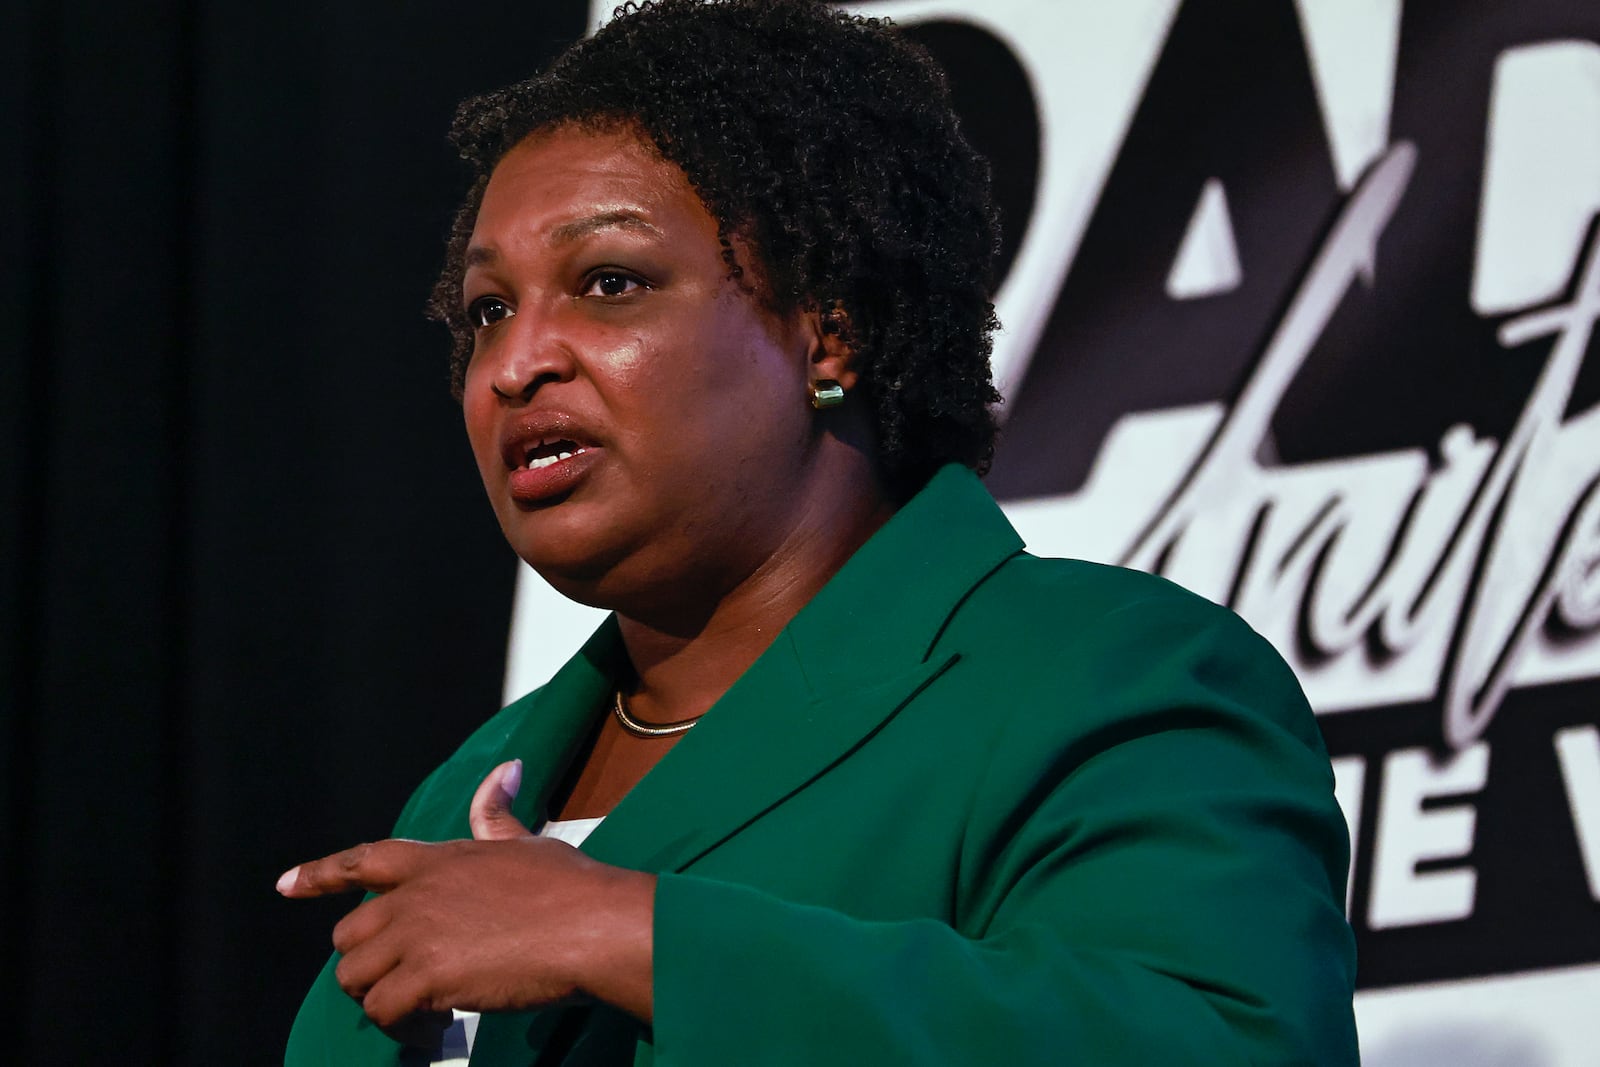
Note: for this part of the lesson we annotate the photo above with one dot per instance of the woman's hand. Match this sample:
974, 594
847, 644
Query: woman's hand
505, 921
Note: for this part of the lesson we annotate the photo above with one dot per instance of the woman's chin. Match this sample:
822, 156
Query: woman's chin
579, 586
582, 562
634, 585
569, 570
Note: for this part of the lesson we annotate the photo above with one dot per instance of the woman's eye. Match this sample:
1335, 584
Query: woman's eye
486, 311
611, 283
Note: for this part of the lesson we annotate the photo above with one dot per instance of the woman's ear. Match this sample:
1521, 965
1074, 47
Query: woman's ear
833, 355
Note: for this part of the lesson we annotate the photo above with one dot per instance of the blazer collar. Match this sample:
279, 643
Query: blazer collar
852, 657
889, 603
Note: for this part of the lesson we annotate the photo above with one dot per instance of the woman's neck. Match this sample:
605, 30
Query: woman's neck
684, 666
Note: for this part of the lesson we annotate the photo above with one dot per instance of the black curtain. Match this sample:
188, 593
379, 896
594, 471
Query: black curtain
249, 589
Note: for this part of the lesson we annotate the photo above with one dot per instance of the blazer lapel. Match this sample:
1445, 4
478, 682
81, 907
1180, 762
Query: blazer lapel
550, 736
764, 741
545, 729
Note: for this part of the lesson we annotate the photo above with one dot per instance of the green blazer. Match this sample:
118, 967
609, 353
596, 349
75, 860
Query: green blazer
970, 807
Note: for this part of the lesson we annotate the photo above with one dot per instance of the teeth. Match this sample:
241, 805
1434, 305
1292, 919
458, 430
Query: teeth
538, 462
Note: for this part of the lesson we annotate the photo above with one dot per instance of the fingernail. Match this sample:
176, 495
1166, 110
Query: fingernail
511, 781
287, 880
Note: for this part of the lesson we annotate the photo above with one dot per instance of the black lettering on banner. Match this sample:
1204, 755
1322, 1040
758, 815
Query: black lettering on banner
1399, 487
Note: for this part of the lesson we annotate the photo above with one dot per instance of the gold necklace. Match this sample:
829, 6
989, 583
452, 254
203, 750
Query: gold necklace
644, 729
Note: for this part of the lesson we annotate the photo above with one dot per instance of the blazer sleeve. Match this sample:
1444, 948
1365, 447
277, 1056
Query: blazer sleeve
1152, 873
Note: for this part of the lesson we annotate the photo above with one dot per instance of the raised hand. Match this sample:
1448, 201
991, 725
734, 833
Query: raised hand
505, 921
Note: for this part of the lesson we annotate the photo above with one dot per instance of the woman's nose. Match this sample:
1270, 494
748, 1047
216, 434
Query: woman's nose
528, 352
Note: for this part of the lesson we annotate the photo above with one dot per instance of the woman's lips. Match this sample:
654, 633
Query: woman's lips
542, 479
547, 453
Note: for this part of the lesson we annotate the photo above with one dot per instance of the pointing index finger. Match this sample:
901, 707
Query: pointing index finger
378, 866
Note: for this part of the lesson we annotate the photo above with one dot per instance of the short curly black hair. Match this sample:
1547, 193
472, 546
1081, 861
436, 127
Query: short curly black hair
828, 144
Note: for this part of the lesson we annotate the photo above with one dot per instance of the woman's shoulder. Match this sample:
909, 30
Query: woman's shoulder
1076, 592
1125, 640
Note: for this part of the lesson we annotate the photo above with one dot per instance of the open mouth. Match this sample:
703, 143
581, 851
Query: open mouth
545, 453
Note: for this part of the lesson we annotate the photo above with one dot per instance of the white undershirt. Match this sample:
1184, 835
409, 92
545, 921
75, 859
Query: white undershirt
573, 831
458, 1039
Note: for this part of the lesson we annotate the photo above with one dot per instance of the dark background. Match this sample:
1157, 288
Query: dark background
249, 589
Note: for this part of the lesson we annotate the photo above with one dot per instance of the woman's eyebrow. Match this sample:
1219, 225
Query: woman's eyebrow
622, 218
569, 232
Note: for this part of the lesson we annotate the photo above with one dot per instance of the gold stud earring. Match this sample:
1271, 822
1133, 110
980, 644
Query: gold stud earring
826, 393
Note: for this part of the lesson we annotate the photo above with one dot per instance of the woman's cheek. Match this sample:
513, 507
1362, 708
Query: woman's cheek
626, 363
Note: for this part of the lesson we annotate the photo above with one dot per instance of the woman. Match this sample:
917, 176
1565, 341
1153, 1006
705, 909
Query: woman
872, 784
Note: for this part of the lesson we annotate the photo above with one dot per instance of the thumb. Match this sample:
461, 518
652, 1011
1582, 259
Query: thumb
490, 815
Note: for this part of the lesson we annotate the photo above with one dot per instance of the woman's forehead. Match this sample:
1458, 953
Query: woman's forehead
574, 162
561, 185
